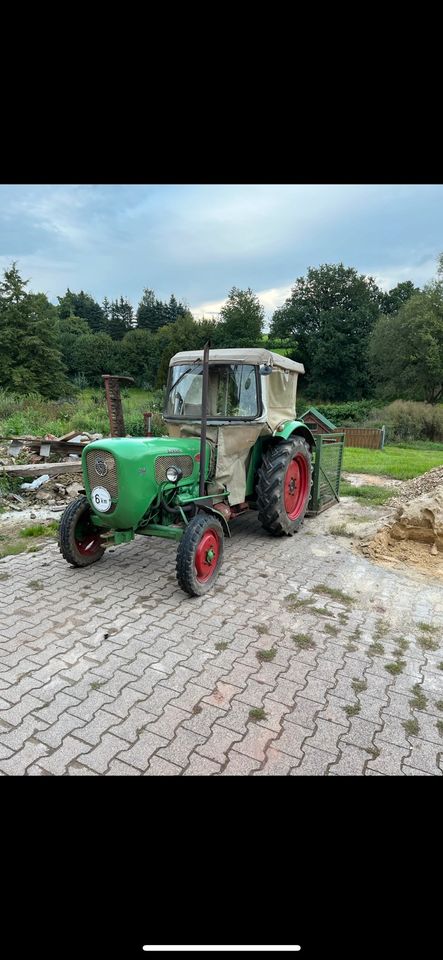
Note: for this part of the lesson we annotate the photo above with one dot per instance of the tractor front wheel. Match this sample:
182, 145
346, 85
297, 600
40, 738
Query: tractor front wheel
78, 540
284, 486
200, 555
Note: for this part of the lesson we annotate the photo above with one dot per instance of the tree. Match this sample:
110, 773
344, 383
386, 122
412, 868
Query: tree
96, 354
84, 306
30, 358
121, 318
70, 328
150, 312
138, 356
242, 318
392, 301
406, 349
327, 319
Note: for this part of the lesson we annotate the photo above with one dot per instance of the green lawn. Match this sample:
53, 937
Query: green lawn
403, 463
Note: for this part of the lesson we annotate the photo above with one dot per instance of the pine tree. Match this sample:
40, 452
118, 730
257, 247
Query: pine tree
30, 359
121, 318
84, 306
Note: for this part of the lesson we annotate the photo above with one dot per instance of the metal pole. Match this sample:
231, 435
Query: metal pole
204, 417
147, 417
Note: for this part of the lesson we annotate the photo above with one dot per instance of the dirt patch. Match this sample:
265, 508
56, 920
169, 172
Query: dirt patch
414, 537
370, 479
383, 548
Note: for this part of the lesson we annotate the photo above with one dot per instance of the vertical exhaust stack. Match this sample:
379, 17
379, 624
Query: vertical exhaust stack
113, 399
147, 420
204, 417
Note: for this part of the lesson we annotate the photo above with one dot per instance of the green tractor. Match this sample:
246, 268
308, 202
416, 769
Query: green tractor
234, 445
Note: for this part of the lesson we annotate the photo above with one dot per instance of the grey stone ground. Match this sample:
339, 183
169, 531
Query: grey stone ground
113, 670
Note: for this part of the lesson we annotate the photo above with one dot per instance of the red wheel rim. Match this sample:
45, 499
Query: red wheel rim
296, 486
87, 537
206, 555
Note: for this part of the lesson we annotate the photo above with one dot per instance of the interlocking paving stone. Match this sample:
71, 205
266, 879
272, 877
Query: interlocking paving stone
137, 685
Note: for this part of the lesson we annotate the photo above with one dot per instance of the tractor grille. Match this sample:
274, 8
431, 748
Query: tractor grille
162, 463
102, 472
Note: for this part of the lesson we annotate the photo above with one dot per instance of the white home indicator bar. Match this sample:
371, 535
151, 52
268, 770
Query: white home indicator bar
243, 949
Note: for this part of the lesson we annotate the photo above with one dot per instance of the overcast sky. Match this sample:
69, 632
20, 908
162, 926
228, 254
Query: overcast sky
199, 241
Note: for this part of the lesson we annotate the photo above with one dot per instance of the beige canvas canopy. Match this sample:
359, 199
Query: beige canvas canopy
234, 441
247, 355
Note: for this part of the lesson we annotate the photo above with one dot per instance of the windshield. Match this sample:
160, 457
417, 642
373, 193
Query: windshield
233, 393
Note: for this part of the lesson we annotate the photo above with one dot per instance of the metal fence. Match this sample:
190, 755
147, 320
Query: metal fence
327, 462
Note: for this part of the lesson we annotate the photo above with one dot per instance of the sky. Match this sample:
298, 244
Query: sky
198, 241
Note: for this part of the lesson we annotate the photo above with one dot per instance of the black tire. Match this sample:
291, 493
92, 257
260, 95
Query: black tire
192, 575
272, 494
78, 540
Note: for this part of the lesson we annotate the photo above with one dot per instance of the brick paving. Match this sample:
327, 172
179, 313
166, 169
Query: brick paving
113, 671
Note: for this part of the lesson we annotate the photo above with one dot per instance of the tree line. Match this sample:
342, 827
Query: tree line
355, 340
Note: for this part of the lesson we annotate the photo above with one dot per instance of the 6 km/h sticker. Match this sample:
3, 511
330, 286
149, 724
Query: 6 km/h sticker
101, 499
242, 949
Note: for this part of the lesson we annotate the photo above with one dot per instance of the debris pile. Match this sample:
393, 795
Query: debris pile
47, 466
415, 536
419, 485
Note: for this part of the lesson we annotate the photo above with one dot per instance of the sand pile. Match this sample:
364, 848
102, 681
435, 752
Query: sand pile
415, 536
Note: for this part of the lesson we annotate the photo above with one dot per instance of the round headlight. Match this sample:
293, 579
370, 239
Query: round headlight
173, 474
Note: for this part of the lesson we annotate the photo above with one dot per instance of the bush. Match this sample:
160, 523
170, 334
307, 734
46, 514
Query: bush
408, 420
354, 411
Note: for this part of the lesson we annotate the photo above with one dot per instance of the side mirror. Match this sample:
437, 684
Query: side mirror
265, 369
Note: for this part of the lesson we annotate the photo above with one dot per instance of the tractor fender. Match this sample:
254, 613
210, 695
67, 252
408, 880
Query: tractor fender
218, 515
290, 428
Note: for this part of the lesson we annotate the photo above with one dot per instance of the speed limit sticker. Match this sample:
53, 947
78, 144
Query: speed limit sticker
101, 499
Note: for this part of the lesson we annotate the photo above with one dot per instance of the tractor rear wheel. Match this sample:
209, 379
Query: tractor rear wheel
284, 486
78, 540
200, 555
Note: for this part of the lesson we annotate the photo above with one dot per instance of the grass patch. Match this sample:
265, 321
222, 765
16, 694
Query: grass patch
411, 726
376, 648
340, 530
381, 628
440, 665
328, 628
294, 603
439, 726
97, 684
262, 628
426, 627
303, 641
402, 646
266, 654
395, 668
427, 643
35, 584
322, 612
351, 647
12, 549
332, 592
221, 645
257, 713
351, 710
343, 618
367, 494
4, 576
197, 709
374, 752
419, 702
439, 704
359, 686
400, 462
41, 530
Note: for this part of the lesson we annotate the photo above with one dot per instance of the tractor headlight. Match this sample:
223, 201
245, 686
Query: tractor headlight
174, 474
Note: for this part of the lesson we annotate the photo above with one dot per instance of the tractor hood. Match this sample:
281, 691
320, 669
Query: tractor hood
123, 475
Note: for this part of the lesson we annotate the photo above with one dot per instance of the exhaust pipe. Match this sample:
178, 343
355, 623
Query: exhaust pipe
204, 417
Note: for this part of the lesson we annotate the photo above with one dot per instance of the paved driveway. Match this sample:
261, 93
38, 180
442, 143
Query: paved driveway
113, 670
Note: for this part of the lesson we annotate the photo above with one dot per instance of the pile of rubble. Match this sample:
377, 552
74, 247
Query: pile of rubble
47, 466
410, 489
